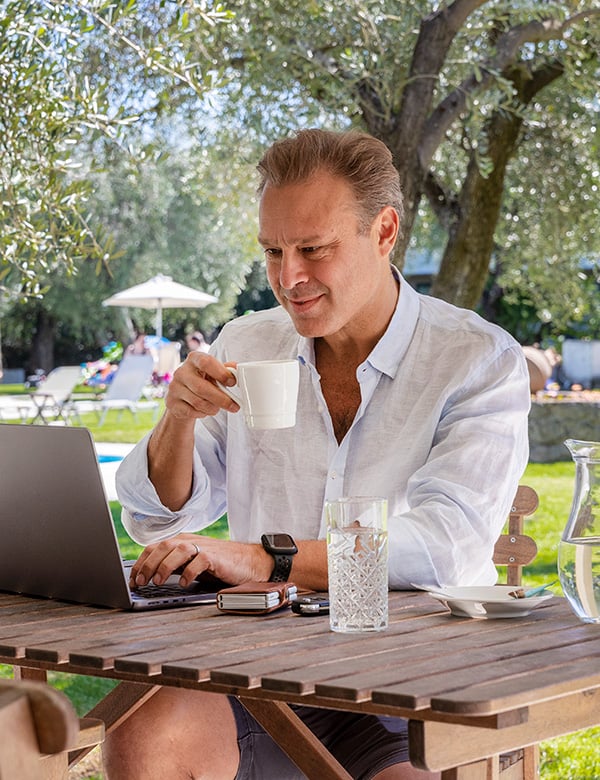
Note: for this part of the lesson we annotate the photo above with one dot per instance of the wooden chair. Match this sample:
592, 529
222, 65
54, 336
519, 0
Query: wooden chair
38, 726
513, 550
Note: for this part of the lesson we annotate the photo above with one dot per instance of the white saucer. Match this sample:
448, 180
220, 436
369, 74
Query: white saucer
481, 601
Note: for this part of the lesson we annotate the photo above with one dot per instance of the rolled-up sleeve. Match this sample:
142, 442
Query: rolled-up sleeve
144, 516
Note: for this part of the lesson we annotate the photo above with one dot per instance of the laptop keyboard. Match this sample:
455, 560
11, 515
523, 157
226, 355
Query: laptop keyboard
156, 591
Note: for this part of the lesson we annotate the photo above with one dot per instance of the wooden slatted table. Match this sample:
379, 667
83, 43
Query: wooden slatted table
470, 688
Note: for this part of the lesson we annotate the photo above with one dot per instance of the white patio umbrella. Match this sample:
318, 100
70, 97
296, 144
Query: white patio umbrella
159, 293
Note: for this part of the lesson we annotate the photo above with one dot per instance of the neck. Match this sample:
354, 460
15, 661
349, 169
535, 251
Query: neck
352, 345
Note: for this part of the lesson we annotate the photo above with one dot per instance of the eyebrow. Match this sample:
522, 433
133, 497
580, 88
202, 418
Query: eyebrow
305, 240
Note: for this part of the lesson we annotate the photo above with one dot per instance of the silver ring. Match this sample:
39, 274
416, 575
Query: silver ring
197, 549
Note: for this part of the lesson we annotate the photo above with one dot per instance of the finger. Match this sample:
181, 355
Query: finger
209, 367
197, 564
212, 370
178, 557
139, 564
194, 392
144, 568
183, 402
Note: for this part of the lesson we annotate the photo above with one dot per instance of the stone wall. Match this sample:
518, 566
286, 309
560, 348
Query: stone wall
550, 423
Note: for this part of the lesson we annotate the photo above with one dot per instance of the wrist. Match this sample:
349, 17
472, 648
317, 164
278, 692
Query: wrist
281, 548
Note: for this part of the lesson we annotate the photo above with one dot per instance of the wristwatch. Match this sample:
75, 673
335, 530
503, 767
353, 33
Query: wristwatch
282, 547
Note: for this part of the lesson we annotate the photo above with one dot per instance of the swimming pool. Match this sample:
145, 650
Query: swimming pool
109, 458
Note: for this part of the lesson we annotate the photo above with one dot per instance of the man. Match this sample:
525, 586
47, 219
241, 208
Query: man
400, 395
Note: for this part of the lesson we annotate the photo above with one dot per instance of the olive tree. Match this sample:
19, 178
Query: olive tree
457, 90
78, 79
72, 73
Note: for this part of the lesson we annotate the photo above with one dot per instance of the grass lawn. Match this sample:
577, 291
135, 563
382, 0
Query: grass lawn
574, 757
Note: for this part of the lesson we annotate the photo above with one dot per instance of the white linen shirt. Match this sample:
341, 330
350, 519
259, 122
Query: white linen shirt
441, 432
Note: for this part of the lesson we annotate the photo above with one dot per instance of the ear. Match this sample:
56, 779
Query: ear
386, 225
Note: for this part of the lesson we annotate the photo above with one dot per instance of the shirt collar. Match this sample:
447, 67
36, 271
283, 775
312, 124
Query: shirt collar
392, 346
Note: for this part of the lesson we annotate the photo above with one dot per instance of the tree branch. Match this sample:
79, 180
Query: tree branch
436, 34
507, 47
444, 207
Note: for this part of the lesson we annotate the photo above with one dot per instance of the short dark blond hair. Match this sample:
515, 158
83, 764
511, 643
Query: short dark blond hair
362, 160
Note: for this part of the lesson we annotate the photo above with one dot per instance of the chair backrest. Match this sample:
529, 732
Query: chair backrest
60, 383
515, 549
35, 720
130, 378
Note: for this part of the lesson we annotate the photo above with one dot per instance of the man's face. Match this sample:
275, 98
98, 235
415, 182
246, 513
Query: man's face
326, 274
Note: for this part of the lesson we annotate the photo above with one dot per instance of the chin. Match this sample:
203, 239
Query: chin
309, 330
310, 325
312, 329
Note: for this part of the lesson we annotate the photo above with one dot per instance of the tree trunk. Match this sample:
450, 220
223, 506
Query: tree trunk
465, 263
472, 220
402, 131
411, 180
42, 346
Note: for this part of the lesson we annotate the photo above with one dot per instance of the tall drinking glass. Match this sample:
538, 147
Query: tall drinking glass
357, 559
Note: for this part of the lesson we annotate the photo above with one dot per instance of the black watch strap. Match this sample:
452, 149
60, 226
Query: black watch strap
282, 548
283, 567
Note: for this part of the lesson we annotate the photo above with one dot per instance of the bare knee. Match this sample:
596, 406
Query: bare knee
176, 734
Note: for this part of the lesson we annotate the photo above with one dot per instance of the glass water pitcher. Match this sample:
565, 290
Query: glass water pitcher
579, 548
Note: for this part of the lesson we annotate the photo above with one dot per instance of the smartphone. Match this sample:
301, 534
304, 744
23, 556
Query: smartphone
308, 606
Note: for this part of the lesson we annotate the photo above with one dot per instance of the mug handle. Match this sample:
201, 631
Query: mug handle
230, 390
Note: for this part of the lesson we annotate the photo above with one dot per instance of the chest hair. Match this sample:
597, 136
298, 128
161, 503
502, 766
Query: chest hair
342, 395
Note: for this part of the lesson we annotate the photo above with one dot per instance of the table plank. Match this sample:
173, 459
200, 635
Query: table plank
56, 644
233, 638
419, 691
353, 680
577, 675
187, 667
464, 653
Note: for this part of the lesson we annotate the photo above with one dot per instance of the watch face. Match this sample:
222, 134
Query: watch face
281, 543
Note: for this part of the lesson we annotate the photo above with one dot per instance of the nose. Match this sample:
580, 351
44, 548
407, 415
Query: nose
293, 269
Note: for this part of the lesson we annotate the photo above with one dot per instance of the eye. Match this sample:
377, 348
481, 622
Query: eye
272, 254
309, 250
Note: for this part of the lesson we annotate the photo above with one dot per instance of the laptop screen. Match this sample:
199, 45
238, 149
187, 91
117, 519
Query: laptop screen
58, 537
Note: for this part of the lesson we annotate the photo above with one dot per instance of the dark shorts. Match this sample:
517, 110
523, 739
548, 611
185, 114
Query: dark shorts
363, 744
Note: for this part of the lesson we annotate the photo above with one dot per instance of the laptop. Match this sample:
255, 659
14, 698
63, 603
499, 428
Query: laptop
57, 537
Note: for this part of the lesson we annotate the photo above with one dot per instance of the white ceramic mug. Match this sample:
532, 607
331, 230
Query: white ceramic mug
267, 392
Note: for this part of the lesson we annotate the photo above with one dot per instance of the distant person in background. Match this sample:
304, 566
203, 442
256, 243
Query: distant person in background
544, 366
138, 345
196, 342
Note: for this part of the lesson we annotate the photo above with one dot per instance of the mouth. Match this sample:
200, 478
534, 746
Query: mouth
303, 305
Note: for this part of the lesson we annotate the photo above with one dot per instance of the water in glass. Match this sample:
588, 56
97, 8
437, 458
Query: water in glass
358, 579
579, 567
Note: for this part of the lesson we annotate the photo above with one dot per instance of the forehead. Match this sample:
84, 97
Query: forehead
306, 208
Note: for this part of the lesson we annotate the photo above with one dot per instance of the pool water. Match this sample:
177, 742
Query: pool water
109, 458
